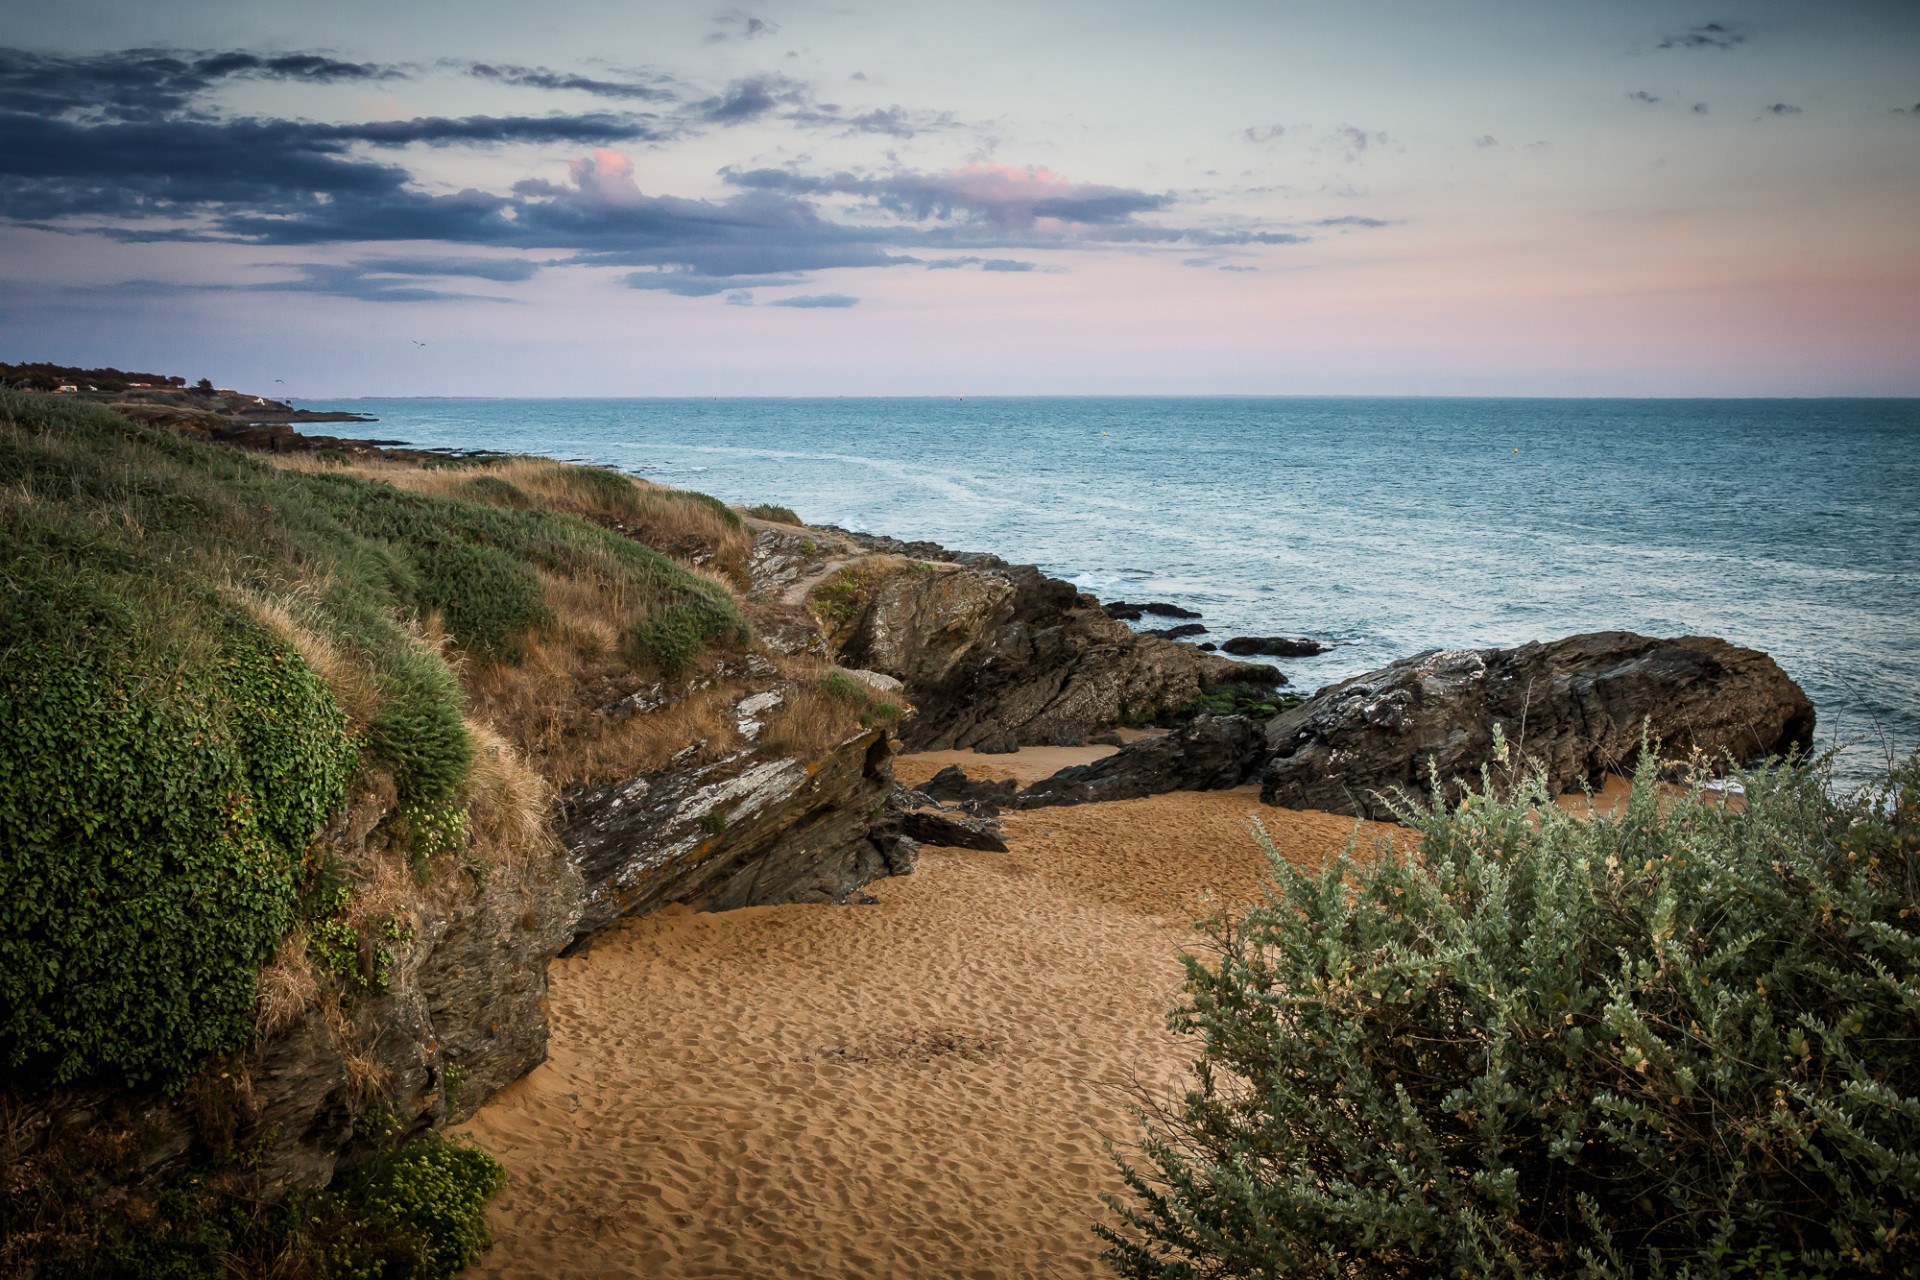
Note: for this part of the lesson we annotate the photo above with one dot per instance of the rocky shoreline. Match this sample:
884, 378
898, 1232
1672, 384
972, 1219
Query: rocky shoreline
950, 650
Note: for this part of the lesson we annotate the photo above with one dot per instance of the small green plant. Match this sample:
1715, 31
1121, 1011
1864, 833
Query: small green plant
417, 1214
768, 511
839, 684
885, 712
360, 964
1683, 1041
713, 823
453, 1085
839, 600
427, 830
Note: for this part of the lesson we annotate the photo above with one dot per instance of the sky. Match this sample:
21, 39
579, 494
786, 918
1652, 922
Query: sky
601, 198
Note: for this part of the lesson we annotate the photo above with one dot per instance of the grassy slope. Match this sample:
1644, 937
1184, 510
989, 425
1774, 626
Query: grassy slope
202, 654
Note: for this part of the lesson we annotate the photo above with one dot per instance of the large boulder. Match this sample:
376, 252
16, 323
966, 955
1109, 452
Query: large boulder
1578, 707
1209, 753
741, 831
995, 655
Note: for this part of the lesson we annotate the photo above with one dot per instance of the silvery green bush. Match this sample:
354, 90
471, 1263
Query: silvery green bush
1682, 1041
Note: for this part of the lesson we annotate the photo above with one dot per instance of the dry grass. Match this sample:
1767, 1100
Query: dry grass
287, 988
688, 526
507, 803
290, 616
821, 710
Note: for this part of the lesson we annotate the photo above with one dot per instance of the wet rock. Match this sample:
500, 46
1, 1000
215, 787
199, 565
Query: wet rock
1180, 632
1576, 707
1210, 753
1122, 611
1107, 739
1274, 647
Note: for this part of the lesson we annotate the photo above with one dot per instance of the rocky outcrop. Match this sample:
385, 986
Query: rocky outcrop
737, 832
953, 785
1209, 753
994, 655
1578, 707
1273, 647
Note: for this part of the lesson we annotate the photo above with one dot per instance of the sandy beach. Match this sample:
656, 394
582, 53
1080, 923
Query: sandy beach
918, 1087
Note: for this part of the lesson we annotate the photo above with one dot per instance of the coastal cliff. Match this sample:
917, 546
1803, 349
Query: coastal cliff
358, 741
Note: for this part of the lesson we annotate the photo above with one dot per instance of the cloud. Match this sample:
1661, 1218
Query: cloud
1263, 132
738, 24
1914, 110
1641, 95
1783, 109
1700, 108
362, 282
1355, 141
52, 168
1350, 220
996, 194
894, 122
541, 78
503, 270
985, 264
687, 284
739, 298
1711, 35
1486, 140
751, 98
816, 300
144, 84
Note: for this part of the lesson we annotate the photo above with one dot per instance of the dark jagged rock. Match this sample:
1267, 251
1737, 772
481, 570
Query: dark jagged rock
1180, 632
1107, 739
1273, 647
1209, 647
1575, 706
995, 656
953, 785
950, 829
741, 831
1124, 611
1209, 753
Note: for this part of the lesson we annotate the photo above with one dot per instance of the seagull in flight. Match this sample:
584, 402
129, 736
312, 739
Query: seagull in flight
416, 342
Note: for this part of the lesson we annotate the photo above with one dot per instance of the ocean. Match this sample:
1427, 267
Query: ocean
1386, 526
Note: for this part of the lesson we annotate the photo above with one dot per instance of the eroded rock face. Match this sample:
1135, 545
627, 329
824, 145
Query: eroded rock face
1576, 706
995, 655
741, 831
1209, 753
460, 1016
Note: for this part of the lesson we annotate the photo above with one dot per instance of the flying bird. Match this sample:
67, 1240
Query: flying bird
416, 342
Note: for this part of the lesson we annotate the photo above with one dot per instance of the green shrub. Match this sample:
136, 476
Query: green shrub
414, 1212
155, 803
768, 511
418, 1214
1682, 1041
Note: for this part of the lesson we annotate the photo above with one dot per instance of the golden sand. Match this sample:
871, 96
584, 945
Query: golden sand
917, 1088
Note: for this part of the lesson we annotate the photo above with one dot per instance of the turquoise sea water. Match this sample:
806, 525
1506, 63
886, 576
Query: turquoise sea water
1389, 526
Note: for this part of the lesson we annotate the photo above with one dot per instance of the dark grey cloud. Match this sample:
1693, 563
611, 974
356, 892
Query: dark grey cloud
1350, 220
751, 98
51, 168
1356, 141
1783, 109
147, 84
1710, 35
1641, 95
659, 89
816, 300
1264, 132
1486, 140
1700, 108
